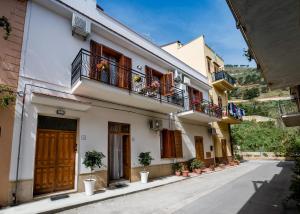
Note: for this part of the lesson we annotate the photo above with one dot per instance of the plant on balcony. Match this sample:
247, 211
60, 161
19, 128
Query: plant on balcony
6, 26
137, 78
103, 65
154, 86
7, 96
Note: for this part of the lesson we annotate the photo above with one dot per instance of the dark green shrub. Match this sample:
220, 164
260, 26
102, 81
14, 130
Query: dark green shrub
92, 160
145, 159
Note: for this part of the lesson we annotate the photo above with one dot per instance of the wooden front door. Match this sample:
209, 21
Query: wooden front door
199, 147
224, 148
54, 161
126, 156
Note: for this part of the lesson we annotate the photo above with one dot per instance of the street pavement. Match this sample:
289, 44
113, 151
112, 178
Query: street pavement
253, 187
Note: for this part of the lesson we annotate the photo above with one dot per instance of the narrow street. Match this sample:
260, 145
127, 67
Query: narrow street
253, 187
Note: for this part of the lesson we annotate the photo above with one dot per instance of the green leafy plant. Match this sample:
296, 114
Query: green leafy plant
7, 96
6, 26
92, 160
145, 159
196, 164
177, 167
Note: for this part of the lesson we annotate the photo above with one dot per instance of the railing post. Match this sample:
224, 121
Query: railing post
80, 67
182, 98
160, 93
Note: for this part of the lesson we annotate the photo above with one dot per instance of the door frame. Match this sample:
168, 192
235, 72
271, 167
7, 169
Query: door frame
108, 150
76, 161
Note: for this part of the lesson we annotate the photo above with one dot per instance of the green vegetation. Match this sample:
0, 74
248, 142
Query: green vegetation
251, 93
266, 137
7, 96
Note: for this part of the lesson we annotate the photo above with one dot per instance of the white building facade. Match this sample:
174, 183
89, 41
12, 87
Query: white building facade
100, 93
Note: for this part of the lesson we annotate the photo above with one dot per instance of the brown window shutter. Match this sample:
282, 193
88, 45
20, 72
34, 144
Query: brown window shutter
95, 58
148, 72
168, 144
168, 84
178, 144
125, 72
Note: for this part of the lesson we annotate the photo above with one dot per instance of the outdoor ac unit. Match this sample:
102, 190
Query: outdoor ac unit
186, 80
212, 131
81, 26
155, 124
177, 76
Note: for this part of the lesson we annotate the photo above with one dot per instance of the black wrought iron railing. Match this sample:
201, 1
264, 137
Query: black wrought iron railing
203, 106
288, 107
219, 75
109, 71
233, 111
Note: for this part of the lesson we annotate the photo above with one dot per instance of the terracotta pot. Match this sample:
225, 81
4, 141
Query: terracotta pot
177, 173
198, 171
185, 173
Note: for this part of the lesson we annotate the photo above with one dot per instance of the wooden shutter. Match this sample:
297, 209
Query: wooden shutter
168, 84
149, 74
178, 144
124, 72
95, 58
168, 144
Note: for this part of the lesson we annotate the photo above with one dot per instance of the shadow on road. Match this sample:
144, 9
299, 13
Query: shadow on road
270, 195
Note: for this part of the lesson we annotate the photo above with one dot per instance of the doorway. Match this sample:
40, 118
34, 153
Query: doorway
118, 151
199, 148
224, 148
55, 155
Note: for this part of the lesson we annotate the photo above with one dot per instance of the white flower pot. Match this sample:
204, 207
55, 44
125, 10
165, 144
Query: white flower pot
144, 177
89, 186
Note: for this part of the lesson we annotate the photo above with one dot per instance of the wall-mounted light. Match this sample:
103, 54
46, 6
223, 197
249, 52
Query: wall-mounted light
140, 67
60, 111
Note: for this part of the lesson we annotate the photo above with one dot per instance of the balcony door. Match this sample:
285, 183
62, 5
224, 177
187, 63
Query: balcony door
117, 69
195, 98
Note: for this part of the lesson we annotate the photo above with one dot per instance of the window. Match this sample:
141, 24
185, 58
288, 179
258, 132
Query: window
195, 98
220, 101
171, 144
216, 67
166, 81
208, 64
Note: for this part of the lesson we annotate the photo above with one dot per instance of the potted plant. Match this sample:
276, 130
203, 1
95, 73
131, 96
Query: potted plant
185, 170
92, 160
145, 160
137, 78
177, 167
197, 166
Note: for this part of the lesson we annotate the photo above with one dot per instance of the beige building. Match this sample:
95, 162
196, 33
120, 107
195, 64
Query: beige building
10, 54
201, 57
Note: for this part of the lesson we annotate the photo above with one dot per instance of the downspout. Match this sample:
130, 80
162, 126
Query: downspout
231, 143
14, 194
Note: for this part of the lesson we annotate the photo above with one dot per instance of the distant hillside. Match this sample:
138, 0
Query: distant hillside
251, 84
252, 92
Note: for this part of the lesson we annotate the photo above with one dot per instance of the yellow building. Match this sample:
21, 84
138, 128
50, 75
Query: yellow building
201, 57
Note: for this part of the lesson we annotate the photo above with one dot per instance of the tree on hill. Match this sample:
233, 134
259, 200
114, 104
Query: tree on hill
251, 93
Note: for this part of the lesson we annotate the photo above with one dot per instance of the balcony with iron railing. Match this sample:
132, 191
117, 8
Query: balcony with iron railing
201, 111
222, 80
105, 79
290, 111
232, 114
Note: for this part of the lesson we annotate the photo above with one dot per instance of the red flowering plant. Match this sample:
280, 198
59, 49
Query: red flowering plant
154, 86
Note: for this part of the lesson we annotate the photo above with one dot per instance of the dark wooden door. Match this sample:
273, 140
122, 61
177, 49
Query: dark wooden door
224, 148
199, 147
126, 156
54, 161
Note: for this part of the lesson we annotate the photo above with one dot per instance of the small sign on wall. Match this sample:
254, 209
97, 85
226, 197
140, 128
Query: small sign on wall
83, 137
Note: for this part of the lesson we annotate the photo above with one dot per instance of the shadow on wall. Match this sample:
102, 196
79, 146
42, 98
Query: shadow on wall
269, 197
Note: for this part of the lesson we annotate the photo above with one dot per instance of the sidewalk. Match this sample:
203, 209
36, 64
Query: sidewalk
79, 199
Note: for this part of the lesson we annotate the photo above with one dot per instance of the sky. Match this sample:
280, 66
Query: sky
165, 21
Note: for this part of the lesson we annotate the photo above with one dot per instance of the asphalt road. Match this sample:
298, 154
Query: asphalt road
253, 187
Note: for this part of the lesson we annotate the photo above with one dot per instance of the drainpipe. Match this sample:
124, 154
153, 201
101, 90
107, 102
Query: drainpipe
14, 194
231, 143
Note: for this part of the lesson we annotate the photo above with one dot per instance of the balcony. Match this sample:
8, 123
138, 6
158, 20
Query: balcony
100, 78
232, 114
222, 81
201, 111
290, 112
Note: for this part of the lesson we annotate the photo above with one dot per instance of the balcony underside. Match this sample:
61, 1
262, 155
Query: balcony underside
105, 92
223, 85
291, 120
197, 116
230, 120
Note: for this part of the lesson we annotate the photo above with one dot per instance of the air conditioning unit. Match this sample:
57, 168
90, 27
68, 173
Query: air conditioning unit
186, 80
177, 76
155, 124
81, 26
212, 131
